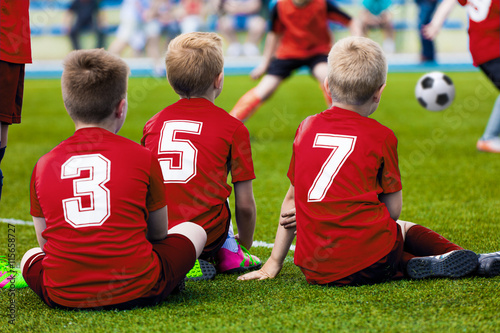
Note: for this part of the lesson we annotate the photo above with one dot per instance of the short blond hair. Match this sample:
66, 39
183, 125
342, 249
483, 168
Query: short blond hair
357, 67
93, 83
193, 61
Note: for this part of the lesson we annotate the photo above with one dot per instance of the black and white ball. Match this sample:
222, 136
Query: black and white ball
435, 91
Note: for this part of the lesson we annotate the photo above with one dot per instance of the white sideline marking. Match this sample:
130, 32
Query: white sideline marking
268, 245
255, 243
14, 221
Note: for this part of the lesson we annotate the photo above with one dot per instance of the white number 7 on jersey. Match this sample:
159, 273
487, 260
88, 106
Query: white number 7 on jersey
342, 146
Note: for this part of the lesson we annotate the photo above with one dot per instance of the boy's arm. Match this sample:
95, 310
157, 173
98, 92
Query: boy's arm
282, 242
393, 202
431, 30
40, 226
157, 225
270, 46
245, 212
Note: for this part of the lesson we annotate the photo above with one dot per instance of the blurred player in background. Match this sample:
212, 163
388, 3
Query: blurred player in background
99, 207
484, 46
376, 14
15, 52
241, 15
198, 145
85, 15
345, 195
300, 36
426, 9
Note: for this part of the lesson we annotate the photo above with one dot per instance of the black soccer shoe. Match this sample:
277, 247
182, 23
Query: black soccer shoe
453, 264
202, 270
489, 264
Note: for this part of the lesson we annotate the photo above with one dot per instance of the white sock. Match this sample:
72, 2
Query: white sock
230, 243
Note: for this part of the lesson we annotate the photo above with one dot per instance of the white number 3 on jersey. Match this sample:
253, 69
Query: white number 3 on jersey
342, 146
92, 187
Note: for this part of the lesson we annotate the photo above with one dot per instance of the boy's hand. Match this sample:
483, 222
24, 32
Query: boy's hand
258, 71
255, 275
287, 219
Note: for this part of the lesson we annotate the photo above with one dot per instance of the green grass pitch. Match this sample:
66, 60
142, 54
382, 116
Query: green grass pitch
448, 186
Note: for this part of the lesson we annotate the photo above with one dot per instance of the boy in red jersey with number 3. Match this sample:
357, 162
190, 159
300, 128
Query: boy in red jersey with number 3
98, 204
345, 191
198, 144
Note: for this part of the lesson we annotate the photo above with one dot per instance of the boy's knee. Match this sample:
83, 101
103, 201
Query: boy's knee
195, 233
29, 257
405, 226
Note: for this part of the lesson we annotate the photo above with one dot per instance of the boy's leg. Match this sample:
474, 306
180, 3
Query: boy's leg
32, 271
490, 142
250, 102
234, 258
320, 71
435, 256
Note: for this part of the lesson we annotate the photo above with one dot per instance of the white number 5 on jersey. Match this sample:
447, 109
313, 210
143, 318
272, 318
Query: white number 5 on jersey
180, 166
342, 146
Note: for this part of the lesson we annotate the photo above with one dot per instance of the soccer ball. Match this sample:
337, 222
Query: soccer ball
435, 91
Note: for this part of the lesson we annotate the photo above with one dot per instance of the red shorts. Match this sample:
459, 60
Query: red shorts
177, 256
11, 92
388, 268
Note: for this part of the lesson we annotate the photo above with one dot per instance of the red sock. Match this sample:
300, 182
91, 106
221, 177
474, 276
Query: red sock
421, 241
326, 94
246, 105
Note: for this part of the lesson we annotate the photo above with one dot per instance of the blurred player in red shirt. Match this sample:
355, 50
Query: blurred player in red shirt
198, 144
300, 36
484, 46
98, 204
15, 52
345, 195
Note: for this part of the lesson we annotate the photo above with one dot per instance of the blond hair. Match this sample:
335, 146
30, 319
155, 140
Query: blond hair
193, 61
93, 83
357, 67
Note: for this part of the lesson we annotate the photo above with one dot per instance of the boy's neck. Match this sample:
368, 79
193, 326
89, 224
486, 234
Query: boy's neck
363, 110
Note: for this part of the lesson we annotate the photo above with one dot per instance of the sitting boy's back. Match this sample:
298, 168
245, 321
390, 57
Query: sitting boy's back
197, 145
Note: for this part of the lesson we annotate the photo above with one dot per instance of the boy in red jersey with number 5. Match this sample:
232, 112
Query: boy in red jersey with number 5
300, 36
198, 144
345, 196
98, 204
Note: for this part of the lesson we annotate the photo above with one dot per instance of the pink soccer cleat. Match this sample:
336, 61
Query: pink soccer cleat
241, 261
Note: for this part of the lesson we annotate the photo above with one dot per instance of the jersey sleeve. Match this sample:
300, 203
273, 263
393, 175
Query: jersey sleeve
336, 14
275, 24
241, 156
35, 209
155, 198
390, 177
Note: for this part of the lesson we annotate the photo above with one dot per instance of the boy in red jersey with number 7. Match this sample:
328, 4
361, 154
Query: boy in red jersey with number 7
345, 196
198, 144
98, 204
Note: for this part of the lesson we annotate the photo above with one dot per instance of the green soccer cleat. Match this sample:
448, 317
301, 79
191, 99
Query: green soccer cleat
10, 277
202, 270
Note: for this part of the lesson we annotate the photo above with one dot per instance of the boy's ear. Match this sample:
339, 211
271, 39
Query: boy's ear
218, 80
326, 86
121, 109
378, 93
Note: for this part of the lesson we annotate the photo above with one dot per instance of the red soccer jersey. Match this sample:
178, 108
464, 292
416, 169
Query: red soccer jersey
304, 30
197, 145
484, 29
15, 43
341, 162
95, 190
